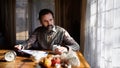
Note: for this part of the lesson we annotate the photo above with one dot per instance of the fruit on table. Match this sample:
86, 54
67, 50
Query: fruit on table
56, 60
47, 62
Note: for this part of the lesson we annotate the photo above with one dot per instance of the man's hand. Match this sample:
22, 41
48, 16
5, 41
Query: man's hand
19, 47
60, 50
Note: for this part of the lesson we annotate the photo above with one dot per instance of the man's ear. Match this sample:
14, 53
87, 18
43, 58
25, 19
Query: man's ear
40, 23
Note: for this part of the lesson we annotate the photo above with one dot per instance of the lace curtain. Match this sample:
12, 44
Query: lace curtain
102, 33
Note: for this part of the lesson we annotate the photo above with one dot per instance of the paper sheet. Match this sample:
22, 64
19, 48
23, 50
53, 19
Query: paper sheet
36, 54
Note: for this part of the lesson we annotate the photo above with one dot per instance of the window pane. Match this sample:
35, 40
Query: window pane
21, 20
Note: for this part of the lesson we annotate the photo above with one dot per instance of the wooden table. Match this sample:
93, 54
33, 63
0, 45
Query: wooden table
25, 62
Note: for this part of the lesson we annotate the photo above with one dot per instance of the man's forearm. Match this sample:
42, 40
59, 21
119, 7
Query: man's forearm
74, 47
27, 44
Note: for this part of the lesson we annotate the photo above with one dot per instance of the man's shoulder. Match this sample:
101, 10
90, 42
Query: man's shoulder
39, 28
59, 28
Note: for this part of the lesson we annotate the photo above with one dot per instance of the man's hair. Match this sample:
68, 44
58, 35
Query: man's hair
45, 11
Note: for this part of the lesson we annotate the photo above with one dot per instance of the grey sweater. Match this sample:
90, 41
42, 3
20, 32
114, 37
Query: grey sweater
43, 40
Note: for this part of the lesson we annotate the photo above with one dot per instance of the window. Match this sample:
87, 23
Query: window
22, 24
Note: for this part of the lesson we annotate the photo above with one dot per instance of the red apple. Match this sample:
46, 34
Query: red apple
56, 60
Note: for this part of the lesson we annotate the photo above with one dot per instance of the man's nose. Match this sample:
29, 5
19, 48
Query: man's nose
49, 22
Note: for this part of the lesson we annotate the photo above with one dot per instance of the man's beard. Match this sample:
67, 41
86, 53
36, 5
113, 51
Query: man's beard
50, 28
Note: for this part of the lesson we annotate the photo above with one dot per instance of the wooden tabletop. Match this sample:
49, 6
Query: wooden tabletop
25, 62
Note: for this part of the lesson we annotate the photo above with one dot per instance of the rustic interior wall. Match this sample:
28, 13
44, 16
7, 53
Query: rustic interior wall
102, 33
68, 16
7, 23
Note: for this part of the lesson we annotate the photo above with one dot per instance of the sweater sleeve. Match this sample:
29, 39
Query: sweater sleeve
70, 42
28, 43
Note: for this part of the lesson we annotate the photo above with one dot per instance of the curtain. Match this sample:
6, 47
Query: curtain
8, 21
102, 33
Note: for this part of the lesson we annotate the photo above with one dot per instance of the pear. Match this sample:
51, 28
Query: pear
47, 62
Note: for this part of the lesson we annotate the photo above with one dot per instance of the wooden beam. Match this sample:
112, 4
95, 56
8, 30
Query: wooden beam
82, 25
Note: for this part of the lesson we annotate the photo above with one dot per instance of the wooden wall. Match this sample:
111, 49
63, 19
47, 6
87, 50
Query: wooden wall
68, 15
7, 22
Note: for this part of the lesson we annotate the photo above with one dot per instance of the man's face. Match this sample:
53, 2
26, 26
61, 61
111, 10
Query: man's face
47, 20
